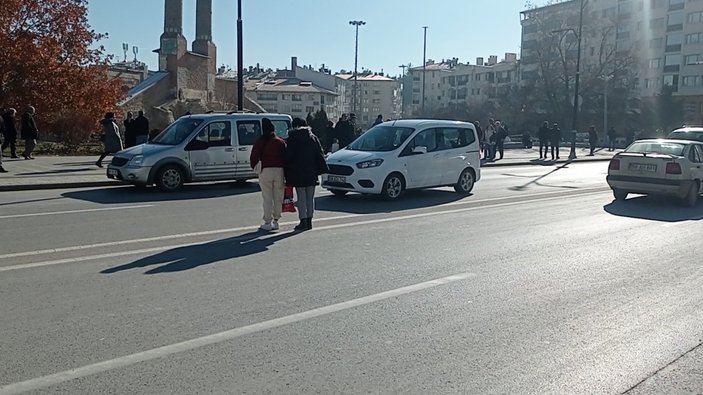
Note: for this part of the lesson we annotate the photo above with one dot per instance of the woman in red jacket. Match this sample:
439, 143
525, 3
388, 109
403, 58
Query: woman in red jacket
270, 151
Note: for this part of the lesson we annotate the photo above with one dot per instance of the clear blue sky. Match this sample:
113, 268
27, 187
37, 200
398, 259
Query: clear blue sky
318, 31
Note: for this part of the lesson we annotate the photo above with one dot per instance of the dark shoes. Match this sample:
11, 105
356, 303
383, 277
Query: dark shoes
98, 164
2, 170
28, 157
305, 224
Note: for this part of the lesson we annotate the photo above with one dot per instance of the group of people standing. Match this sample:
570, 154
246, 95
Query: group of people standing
549, 137
28, 132
297, 161
136, 131
492, 138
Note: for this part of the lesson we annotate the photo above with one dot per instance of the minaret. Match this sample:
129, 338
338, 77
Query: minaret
172, 41
203, 44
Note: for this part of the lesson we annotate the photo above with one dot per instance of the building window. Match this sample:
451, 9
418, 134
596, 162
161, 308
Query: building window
692, 80
295, 97
651, 83
656, 43
655, 63
671, 80
695, 17
672, 60
694, 38
656, 23
264, 96
379, 92
674, 39
297, 108
309, 109
691, 59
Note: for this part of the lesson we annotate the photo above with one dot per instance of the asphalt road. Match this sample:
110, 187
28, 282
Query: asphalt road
536, 283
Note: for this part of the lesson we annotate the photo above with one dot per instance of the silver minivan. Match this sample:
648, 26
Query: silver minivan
195, 148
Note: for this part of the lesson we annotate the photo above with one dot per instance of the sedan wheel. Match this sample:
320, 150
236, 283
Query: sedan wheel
393, 187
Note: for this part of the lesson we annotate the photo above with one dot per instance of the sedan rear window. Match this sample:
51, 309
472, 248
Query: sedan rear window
653, 147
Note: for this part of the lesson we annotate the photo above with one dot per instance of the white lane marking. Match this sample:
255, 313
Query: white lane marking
192, 344
89, 210
239, 229
319, 228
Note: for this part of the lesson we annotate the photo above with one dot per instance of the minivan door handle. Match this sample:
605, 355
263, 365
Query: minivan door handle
242, 148
229, 149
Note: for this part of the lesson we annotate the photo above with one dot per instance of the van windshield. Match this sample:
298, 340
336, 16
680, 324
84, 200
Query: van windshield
177, 132
381, 138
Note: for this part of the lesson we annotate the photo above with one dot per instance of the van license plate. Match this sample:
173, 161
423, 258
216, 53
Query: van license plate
643, 167
339, 179
112, 172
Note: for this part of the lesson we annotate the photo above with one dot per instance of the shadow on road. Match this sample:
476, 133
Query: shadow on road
190, 257
363, 204
655, 209
60, 171
129, 194
536, 180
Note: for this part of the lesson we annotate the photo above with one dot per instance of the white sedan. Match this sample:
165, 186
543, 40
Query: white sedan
658, 167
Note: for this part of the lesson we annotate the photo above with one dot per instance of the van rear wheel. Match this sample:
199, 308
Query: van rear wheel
465, 183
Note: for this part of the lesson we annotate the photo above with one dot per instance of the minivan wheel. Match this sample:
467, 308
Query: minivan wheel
393, 187
691, 197
619, 195
465, 183
338, 192
169, 178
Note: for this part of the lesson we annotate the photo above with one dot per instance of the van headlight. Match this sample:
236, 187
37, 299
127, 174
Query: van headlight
369, 163
137, 160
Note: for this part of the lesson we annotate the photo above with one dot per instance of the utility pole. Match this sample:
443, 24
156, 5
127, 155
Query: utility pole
356, 61
574, 123
240, 61
424, 68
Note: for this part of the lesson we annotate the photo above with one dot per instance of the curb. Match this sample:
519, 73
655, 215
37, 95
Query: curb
58, 185
528, 163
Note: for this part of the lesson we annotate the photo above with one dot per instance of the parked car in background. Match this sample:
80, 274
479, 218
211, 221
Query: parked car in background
658, 167
687, 133
203, 147
406, 154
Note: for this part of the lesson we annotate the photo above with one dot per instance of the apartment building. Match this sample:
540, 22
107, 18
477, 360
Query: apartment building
377, 94
295, 97
665, 37
451, 83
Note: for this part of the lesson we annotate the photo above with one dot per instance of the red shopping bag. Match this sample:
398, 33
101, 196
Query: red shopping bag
288, 200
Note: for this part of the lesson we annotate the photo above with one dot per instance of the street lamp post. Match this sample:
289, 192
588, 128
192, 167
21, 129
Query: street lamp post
605, 79
240, 61
356, 61
424, 68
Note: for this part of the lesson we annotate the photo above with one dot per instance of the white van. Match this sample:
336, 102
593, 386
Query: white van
407, 154
204, 147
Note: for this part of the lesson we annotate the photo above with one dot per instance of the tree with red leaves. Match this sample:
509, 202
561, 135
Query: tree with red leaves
47, 60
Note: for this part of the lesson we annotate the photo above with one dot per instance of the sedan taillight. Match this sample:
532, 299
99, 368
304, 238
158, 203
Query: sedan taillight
614, 164
673, 168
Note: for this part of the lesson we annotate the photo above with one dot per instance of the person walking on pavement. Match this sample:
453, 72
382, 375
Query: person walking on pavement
141, 128
2, 169
554, 140
304, 163
611, 138
130, 132
592, 140
544, 137
270, 150
111, 137
10, 132
29, 132
344, 131
481, 138
490, 141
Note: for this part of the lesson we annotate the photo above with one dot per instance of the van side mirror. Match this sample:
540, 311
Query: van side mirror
197, 145
420, 149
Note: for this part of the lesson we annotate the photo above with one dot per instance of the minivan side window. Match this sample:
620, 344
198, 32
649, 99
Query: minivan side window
426, 138
215, 134
449, 138
248, 131
281, 127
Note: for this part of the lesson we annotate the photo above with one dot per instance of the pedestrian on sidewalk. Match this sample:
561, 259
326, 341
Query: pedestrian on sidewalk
29, 132
490, 141
130, 131
268, 155
10, 132
501, 135
304, 163
2, 169
110, 137
592, 139
554, 140
612, 136
544, 137
141, 128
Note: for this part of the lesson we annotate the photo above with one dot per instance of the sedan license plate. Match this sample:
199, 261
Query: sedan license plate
339, 179
112, 172
643, 167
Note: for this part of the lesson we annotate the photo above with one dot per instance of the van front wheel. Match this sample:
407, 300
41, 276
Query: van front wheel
393, 187
169, 178
465, 183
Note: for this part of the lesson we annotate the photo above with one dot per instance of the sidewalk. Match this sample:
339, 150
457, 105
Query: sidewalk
53, 172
